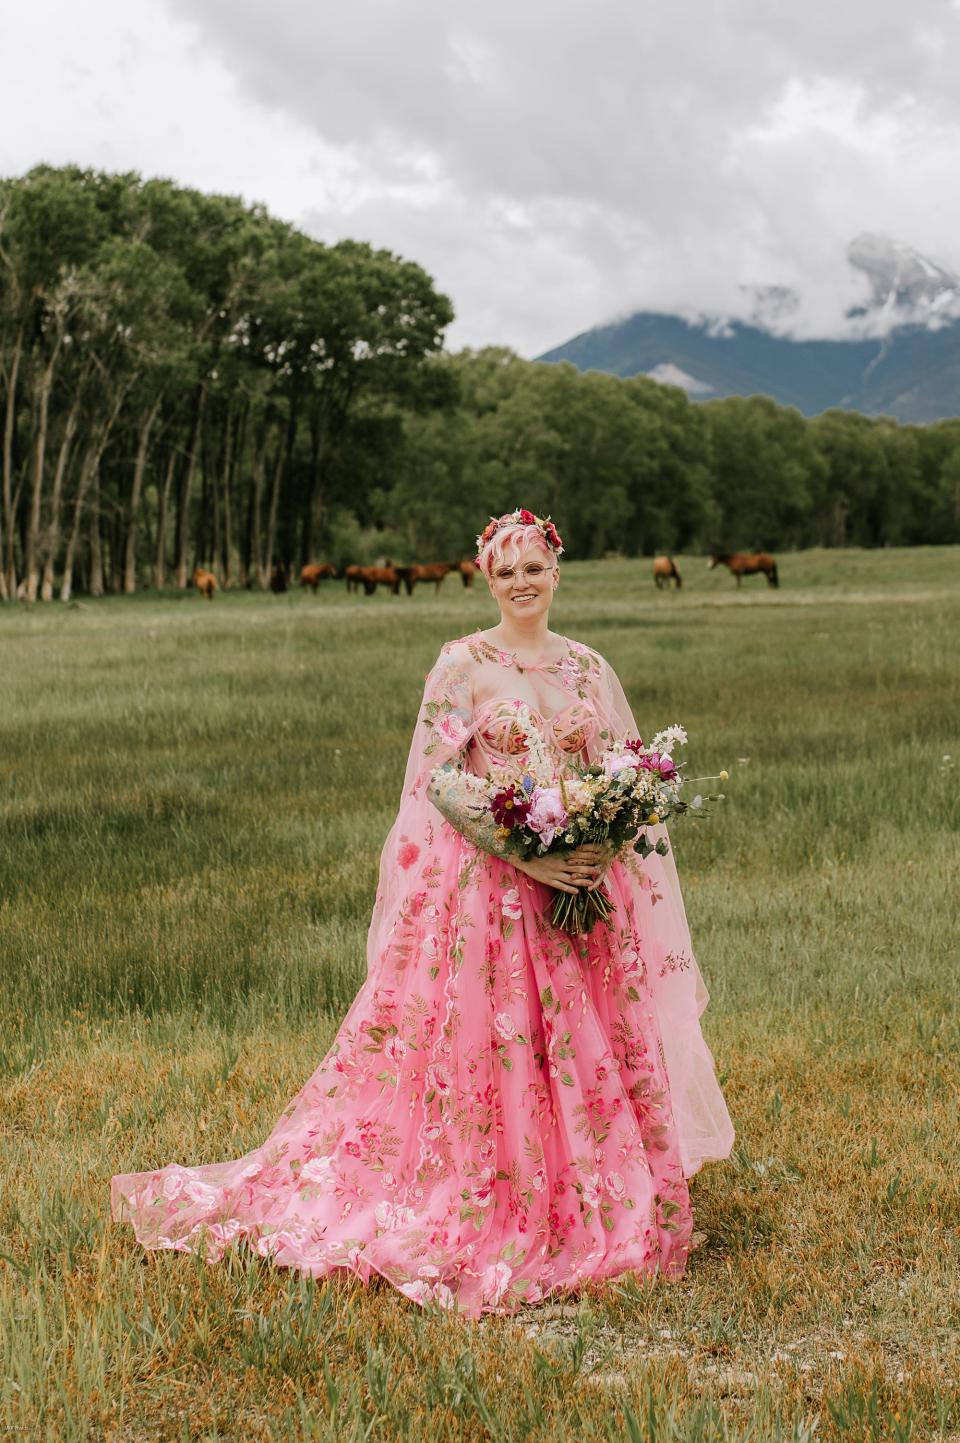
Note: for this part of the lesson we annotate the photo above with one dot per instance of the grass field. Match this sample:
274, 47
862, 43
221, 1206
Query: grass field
183, 905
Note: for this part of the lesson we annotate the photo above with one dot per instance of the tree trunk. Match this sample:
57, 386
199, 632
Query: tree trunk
163, 512
284, 449
203, 520
223, 507
255, 560
312, 490
31, 562
237, 442
211, 483
8, 575
139, 469
90, 462
90, 478
96, 546
183, 498
51, 541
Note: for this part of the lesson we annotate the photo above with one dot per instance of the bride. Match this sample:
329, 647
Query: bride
507, 1111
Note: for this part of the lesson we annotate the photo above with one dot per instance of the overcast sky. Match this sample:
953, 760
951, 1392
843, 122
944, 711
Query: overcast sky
551, 164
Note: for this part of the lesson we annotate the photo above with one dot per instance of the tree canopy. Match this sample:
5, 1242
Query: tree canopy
185, 380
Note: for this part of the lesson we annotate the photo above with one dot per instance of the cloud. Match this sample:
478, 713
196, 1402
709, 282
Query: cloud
554, 164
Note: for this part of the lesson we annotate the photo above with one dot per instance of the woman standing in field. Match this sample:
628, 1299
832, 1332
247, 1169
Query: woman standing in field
507, 1110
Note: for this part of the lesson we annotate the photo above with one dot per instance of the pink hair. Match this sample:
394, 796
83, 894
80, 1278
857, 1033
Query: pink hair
515, 539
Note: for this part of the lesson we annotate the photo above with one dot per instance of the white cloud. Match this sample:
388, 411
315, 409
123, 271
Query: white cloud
552, 164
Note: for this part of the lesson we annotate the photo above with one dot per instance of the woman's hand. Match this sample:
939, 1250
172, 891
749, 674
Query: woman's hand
585, 867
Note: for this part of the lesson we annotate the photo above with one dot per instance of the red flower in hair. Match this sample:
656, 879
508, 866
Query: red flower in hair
528, 518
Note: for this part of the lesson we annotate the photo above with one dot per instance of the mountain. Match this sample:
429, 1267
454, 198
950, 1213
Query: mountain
898, 353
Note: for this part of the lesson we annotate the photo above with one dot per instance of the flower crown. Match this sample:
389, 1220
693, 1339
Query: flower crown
522, 517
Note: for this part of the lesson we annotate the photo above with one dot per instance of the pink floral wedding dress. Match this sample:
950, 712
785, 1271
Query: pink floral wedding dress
507, 1111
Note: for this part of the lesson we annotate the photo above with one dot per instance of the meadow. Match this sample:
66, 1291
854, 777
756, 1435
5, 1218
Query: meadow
192, 798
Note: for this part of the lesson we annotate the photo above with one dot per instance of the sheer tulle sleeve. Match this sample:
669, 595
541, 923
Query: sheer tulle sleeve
445, 725
461, 797
679, 992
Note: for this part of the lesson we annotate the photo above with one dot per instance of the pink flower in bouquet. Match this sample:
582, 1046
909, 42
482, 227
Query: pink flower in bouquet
659, 762
615, 762
547, 814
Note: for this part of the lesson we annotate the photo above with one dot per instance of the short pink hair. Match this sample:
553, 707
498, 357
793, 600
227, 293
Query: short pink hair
512, 539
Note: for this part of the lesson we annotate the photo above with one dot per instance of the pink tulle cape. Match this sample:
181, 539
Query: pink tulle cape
680, 994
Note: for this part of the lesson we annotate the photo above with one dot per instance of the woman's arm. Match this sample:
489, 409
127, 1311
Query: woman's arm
460, 797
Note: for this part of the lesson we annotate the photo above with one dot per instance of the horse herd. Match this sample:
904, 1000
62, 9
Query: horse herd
739, 564
369, 578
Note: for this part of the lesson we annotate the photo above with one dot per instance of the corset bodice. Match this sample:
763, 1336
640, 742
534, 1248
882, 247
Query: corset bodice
501, 730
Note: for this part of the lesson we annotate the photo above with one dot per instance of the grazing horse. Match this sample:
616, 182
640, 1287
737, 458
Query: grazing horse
467, 570
205, 582
435, 571
373, 576
313, 574
664, 570
742, 566
354, 577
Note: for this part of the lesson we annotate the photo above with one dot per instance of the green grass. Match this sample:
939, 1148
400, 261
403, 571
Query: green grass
192, 800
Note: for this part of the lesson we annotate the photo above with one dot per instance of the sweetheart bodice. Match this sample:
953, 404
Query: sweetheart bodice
502, 730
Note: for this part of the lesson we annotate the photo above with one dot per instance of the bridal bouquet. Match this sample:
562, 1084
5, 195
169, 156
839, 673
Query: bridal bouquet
629, 787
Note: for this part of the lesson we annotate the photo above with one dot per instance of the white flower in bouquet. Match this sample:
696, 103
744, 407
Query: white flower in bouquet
669, 739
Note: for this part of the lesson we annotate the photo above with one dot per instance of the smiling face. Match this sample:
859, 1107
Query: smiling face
523, 581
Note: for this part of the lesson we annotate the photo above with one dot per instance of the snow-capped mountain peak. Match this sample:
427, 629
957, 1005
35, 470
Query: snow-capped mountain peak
906, 288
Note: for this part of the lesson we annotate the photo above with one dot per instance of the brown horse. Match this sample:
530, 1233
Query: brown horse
665, 570
435, 571
315, 573
370, 577
467, 570
205, 582
742, 566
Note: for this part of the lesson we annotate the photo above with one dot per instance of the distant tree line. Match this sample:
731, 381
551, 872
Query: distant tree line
185, 380
634, 466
